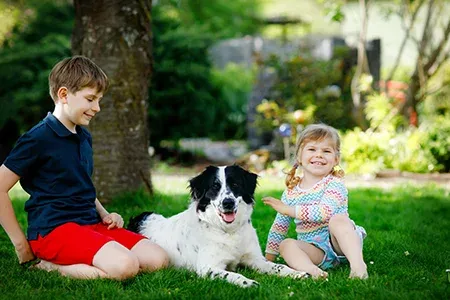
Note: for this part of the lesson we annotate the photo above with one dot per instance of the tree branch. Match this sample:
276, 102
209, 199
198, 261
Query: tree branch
435, 54
405, 39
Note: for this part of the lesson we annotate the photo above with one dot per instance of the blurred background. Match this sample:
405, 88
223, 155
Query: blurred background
236, 81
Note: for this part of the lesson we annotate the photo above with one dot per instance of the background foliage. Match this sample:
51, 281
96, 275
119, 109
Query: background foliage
26, 58
189, 98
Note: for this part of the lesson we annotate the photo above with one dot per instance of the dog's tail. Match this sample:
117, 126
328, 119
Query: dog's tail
135, 222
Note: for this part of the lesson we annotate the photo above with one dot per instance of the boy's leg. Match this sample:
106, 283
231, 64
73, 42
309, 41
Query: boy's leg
151, 256
81, 252
79, 271
346, 241
116, 261
302, 256
111, 261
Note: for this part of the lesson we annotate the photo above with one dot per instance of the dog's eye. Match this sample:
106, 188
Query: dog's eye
216, 186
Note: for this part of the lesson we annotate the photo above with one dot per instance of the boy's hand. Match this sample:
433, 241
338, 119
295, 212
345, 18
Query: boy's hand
279, 206
114, 220
24, 252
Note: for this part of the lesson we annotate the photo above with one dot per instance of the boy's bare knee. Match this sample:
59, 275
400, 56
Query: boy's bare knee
159, 259
123, 267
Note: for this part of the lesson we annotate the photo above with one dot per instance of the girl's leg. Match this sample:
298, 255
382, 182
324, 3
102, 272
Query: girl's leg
346, 242
112, 261
151, 257
302, 256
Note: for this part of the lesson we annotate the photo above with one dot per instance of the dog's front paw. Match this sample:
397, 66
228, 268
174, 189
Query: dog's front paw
300, 275
246, 283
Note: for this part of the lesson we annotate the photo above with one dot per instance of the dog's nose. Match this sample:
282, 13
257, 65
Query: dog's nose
228, 204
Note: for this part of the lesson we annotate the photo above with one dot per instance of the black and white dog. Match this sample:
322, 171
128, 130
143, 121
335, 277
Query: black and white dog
215, 233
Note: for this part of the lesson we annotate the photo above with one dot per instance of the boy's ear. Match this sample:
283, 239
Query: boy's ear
62, 94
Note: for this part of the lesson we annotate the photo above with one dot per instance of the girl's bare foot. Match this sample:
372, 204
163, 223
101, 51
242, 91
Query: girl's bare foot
317, 273
359, 272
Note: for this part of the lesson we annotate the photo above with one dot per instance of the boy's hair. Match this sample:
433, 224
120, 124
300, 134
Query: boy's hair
76, 73
314, 132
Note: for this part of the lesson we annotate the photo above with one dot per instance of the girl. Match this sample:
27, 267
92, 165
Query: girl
318, 204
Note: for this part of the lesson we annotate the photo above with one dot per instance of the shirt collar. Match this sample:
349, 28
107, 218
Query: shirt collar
59, 128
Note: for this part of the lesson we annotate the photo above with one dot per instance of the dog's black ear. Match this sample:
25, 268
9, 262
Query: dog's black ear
249, 180
200, 184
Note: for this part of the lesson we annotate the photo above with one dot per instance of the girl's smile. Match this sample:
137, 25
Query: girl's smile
318, 159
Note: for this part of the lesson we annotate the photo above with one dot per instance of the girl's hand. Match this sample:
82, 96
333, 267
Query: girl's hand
114, 220
279, 206
271, 257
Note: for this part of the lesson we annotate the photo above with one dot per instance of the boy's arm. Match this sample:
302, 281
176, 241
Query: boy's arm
112, 219
8, 218
100, 209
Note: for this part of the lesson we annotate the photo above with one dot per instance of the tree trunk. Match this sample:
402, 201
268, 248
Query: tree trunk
116, 35
362, 68
409, 108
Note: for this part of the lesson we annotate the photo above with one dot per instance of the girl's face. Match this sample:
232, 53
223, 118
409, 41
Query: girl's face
318, 158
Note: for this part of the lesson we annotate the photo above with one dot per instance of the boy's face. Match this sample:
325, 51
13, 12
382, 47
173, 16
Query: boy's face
79, 108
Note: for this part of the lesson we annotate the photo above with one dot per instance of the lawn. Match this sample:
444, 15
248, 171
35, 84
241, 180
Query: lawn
407, 252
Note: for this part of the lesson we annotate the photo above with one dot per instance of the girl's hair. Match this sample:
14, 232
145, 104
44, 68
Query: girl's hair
314, 132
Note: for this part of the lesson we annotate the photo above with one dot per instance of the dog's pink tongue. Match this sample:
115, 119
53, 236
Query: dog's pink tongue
229, 217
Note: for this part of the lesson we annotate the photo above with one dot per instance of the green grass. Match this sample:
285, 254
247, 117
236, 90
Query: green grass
407, 251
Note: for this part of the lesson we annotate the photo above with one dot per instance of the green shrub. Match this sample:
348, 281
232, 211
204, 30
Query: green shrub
313, 88
387, 145
187, 97
182, 97
364, 152
235, 85
26, 59
437, 140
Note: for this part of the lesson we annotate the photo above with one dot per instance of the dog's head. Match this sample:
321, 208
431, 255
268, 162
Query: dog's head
224, 195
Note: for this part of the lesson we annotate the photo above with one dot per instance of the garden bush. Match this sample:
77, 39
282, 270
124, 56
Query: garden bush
313, 88
388, 144
26, 59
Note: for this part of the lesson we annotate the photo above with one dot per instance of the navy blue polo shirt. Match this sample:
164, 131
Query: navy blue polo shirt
55, 167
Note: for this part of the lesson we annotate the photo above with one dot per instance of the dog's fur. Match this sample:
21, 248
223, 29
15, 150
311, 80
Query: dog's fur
215, 233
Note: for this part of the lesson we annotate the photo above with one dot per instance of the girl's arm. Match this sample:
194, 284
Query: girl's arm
8, 218
277, 232
334, 201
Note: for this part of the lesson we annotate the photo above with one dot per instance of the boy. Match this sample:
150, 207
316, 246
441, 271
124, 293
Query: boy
68, 228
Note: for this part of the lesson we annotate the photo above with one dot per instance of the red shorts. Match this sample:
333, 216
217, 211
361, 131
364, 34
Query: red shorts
71, 243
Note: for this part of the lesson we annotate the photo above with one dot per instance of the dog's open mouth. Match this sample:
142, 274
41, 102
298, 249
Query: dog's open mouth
228, 217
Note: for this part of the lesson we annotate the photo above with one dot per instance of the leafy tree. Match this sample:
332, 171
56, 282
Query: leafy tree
26, 58
222, 18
